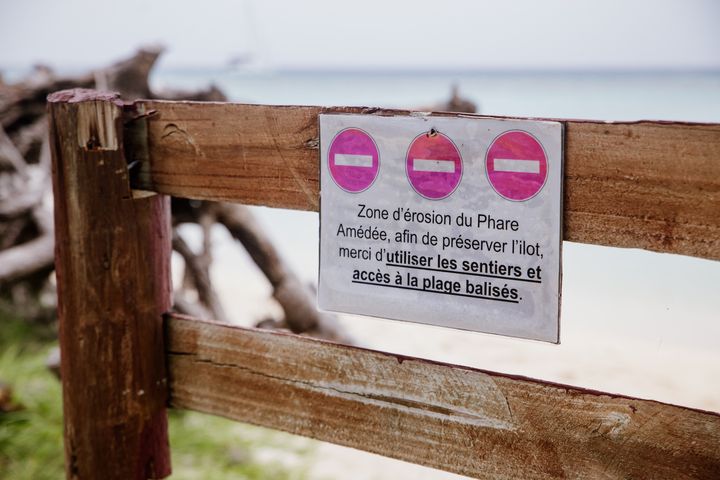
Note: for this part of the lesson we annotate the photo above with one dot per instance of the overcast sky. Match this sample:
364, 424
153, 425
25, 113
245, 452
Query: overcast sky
442, 34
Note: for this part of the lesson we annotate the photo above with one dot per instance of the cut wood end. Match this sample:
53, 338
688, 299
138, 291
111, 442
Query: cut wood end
77, 95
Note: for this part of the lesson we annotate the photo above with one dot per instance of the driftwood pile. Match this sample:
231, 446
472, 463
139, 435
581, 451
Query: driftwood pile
26, 223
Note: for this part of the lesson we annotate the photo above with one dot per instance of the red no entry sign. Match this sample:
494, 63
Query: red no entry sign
433, 165
353, 160
516, 165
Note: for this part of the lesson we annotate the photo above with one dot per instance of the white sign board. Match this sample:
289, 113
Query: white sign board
445, 221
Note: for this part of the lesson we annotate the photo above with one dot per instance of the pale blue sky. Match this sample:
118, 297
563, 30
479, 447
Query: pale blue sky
448, 34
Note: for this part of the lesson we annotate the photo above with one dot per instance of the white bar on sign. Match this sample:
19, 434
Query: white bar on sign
516, 165
351, 160
432, 165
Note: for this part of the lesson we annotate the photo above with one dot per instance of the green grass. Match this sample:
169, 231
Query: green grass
203, 447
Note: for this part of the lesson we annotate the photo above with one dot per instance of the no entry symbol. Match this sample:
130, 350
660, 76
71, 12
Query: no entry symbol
353, 160
434, 166
516, 165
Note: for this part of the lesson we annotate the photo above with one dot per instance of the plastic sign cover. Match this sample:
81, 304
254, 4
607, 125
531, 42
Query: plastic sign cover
448, 221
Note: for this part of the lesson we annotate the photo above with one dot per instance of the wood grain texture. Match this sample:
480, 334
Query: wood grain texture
112, 264
647, 185
462, 420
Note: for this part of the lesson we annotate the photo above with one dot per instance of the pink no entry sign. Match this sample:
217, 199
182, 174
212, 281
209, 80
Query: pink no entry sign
516, 165
353, 160
434, 166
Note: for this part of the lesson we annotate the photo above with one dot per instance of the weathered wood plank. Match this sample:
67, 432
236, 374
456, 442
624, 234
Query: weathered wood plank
467, 421
648, 185
113, 277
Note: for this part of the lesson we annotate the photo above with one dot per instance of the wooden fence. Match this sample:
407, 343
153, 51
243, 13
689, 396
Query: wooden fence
650, 185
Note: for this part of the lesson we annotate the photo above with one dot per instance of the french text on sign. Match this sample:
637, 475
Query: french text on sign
430, 165
516, 165
350, 160
444, 235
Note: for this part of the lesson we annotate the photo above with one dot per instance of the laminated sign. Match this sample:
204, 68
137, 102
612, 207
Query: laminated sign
445, 221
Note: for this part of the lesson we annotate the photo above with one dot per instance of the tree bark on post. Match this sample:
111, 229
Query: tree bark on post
112, 261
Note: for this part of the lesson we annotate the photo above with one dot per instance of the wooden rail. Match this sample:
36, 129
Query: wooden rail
650, 185
467, 421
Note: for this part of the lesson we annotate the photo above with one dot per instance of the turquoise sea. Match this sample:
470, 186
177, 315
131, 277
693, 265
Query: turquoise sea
690, 96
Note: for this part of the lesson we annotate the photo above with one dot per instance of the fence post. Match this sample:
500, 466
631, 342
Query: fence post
112, 263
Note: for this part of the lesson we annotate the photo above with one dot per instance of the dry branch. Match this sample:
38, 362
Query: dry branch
295, 298
199, 273
10, 156
26, 259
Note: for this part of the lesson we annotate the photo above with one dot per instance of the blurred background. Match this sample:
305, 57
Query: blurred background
633, 322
